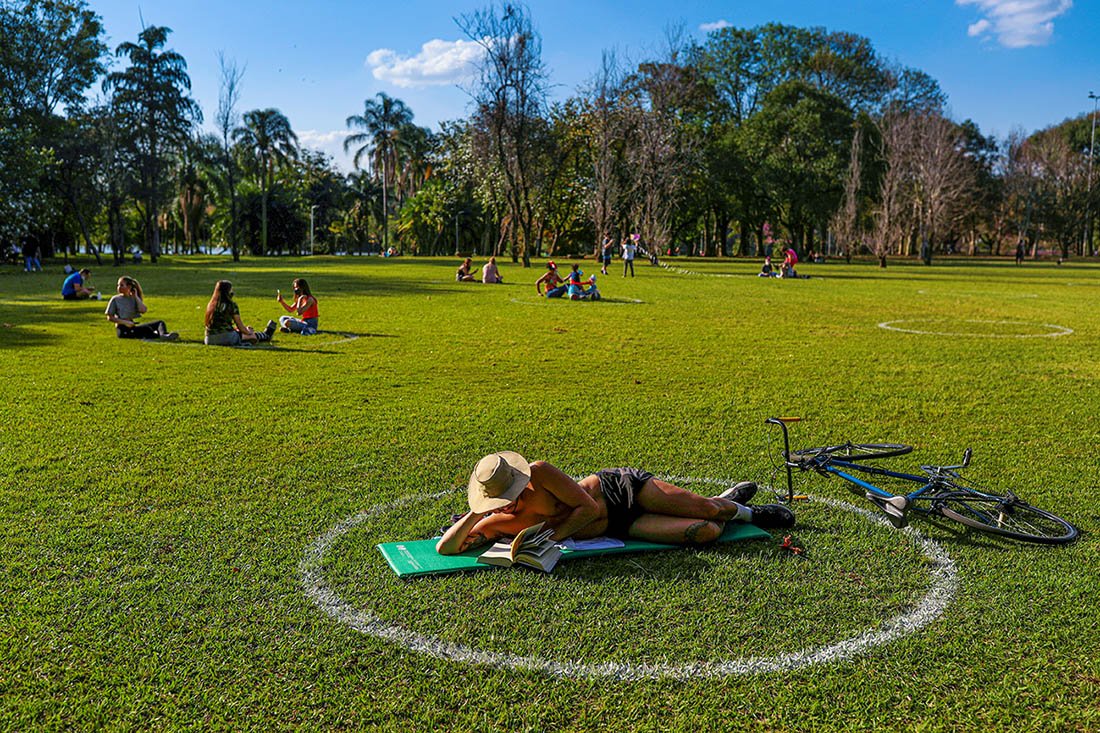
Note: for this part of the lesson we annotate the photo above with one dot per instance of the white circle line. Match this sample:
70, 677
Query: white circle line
269, 345
602, 301
1056, 330
685, 271
931, 606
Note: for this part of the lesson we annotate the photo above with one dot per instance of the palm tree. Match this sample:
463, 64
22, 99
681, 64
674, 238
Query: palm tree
151, 94
381, 124
266, 133
416, 167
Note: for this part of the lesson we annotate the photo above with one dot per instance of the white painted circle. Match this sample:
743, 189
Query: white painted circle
270, 345
931, 606
1054, 332
601, 301
976, 294
685, 271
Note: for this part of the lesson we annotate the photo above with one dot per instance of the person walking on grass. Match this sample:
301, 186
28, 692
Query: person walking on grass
124, 309
30, 258
305, 307
630, 248
506, 494
224, 326
605, 254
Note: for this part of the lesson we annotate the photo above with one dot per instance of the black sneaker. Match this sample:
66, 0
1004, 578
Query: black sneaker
271, 326
741, 492
772, 516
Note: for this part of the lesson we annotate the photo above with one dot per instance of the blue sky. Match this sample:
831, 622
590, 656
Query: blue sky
1004, 63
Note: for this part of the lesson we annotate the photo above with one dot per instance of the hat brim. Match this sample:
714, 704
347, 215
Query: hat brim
521, 475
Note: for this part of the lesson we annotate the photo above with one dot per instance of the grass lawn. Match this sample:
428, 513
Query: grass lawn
167, 509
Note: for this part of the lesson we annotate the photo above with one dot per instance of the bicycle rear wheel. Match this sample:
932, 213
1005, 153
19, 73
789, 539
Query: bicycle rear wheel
1006, 516
858, 451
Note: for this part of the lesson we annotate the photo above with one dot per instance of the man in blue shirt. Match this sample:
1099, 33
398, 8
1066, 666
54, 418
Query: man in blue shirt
74, 287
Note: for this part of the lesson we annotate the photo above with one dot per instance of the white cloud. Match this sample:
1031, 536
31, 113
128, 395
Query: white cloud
331, 142
439, 62
1017, 23
976, 29
715, 26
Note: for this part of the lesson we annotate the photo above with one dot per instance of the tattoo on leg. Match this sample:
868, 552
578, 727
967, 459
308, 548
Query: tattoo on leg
691, 534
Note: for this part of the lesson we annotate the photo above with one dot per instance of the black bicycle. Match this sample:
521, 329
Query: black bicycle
939, 491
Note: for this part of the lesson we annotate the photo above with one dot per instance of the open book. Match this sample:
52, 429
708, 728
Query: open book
532, 547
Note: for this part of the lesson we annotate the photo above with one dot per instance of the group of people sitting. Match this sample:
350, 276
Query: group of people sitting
790, 259
574, 285
489, 272
223, 325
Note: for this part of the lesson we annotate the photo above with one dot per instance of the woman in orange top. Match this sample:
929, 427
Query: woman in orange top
305, 305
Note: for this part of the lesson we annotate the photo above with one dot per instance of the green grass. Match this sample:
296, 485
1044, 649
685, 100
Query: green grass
157, 500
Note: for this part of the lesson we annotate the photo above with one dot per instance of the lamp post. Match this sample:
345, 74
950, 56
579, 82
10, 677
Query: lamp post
1088, 197
311, 210
458, 213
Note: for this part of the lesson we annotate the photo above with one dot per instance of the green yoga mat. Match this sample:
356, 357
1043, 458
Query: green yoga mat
418, 557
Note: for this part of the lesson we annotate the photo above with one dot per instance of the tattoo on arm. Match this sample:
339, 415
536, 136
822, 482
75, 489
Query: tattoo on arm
691, 534
474, 539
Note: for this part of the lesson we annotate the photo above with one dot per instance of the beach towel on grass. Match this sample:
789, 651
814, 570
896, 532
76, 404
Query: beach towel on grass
418, 557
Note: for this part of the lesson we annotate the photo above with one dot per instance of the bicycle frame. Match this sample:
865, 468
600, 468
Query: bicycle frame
842, 468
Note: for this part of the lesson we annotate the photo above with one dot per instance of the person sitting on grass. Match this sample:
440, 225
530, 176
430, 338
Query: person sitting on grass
224, 326
124, 309
74, 287
766, 270
576, 285
790, 259
490, 274
463, 274
305, 306
555, 286
507, 494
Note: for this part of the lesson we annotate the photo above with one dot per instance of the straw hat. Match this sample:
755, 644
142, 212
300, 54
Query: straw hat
497, 480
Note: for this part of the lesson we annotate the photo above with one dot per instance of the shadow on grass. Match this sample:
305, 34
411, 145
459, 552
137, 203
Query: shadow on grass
13, 336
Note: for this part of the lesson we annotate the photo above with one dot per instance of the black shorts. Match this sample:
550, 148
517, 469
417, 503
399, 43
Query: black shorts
620, 487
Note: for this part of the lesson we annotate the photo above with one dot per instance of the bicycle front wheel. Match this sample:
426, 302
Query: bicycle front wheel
858, 451
1006, 516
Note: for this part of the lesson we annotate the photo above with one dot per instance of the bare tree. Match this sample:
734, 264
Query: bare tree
926, 183
605, 133
846, 223
227, 120
511, 101
662, 151
943, 177
1060, 177
890, 218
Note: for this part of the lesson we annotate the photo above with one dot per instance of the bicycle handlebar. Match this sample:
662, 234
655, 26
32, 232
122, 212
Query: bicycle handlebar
938, 470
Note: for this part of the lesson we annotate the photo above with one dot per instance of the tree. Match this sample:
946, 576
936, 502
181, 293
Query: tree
227, 121
802, 135
51, 52
152, 96
381, 125
267, 135
666, 97
511, 98
604, 131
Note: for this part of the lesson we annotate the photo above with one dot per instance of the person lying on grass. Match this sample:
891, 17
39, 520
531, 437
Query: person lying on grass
507, 494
